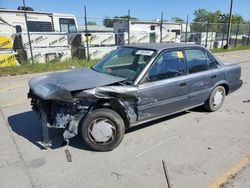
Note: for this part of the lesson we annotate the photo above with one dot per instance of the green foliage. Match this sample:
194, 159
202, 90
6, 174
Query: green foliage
218, 21
203, 15
47, 67
108, 22
219, 50
177, 19
91, 23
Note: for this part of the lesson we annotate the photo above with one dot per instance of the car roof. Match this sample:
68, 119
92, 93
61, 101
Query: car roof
161, 46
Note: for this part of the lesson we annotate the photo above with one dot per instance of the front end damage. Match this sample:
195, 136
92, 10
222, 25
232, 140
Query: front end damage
68, 110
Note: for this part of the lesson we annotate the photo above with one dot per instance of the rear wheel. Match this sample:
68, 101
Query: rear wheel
103, 129
216, 99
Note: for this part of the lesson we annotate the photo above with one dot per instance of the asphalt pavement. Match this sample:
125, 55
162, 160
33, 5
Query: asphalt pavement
200, 149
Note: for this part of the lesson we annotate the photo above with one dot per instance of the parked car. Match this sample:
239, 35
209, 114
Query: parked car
130, 86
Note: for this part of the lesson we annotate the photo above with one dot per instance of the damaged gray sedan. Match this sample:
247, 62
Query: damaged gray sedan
130, 86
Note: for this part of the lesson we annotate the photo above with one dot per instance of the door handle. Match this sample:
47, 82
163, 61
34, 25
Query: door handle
183, 84
213, 77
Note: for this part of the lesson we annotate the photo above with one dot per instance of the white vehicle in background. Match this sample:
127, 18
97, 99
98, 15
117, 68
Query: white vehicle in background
13, 21
52, 35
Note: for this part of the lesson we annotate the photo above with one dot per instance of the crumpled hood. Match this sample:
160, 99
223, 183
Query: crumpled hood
58, 86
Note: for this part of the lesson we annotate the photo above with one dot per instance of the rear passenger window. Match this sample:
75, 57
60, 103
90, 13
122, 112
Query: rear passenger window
212, 63
196, 60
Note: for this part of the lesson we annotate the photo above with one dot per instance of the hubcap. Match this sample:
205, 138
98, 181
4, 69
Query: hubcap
218, 98
102, 130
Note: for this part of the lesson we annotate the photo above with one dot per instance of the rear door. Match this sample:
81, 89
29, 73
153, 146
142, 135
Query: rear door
202, 75
165, 88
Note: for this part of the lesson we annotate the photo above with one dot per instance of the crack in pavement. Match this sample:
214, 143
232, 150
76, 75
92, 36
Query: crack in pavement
26, 169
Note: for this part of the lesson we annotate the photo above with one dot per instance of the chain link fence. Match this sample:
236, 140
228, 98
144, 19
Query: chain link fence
214, 35
45, 37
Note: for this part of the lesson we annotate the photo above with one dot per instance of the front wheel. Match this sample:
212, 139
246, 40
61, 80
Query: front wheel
216, 99
103, 129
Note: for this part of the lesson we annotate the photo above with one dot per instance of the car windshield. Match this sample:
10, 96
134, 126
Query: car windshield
125, 62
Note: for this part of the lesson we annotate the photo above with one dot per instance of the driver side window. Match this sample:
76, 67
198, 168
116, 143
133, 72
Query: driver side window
170, 64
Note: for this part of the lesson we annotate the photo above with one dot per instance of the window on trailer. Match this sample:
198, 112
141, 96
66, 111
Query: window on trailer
67, 25
35, 26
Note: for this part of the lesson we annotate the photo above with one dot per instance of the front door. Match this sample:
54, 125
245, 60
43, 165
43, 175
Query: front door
165, 89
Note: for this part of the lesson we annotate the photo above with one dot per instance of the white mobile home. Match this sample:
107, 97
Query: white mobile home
206, 39
13, 21
98, 35
147, 31
51, 34
101, 40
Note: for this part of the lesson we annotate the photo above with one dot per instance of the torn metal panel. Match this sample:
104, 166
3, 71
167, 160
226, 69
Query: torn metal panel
130, 109
89, 94
72, 129
118, 91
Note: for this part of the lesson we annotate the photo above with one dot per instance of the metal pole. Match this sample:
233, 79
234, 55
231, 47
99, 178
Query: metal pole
181, 30
207, 33
86, 31
46, 140
229, 24
248, 35
28, 33
211, 40
128, 26
223, 34
186, 29
237, 32
161, 27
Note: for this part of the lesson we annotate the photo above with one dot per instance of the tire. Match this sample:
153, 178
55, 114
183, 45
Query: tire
213, 104
103, 129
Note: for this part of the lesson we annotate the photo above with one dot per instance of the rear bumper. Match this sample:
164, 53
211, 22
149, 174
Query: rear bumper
233, 86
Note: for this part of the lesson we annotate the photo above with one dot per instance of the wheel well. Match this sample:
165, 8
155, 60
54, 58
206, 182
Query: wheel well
113, 105
226, 88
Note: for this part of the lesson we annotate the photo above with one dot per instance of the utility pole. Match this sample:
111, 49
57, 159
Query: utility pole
28, 32
86, 31
161, 27
186, 29
128, 26
229, 24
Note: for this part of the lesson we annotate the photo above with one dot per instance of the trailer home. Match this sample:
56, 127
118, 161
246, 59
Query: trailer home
13, 21
52, 35
147, 31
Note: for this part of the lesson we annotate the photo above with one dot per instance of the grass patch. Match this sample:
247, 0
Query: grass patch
72, 63
219, 50
48, 67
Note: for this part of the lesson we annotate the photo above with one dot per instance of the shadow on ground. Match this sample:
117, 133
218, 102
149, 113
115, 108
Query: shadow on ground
28, 126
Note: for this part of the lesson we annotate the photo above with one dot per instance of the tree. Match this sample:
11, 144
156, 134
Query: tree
177, 19
108, 22
237, 19
202, 16
91, 23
